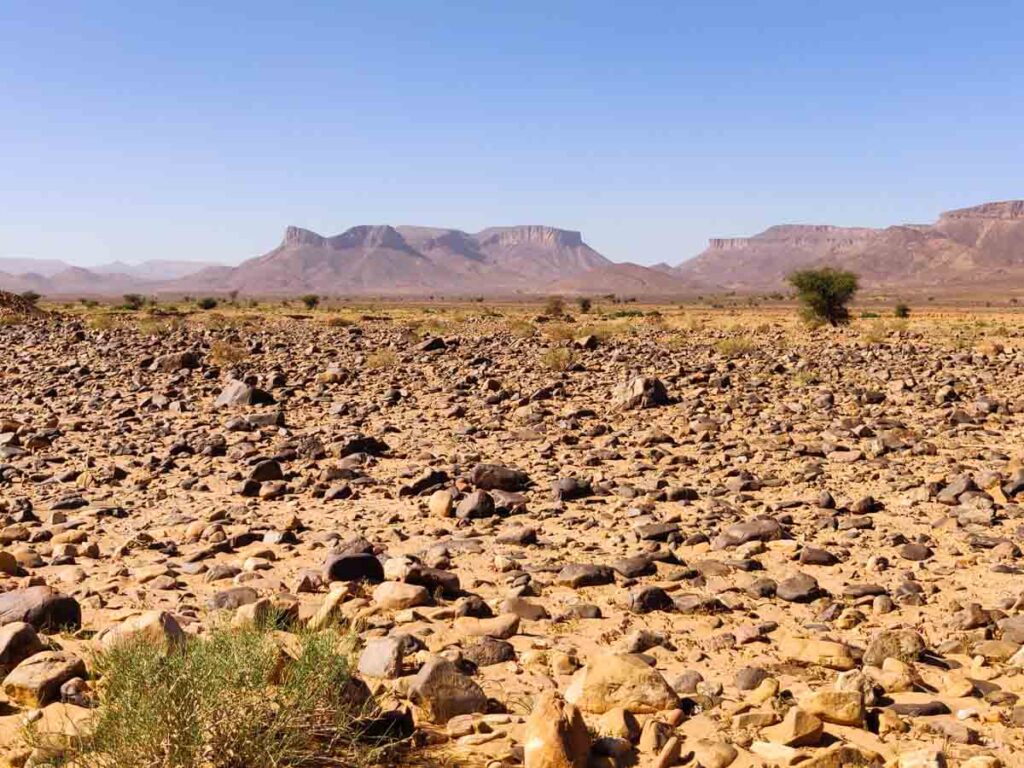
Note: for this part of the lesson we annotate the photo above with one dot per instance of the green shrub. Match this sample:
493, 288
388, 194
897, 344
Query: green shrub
902, 311
207, 302
31, 296
825, 293
585, 304
310, 300
237, 697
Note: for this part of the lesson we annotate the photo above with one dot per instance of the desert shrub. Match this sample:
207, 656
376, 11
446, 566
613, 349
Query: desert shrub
825, 293
310, 300
735, 346
554, 306
902, 311
382, 359
337, 321
102, 322
521, 329
226, 353
31, 296
133, 301
585, 304
557, 359
559, 331
237, 697
207, 302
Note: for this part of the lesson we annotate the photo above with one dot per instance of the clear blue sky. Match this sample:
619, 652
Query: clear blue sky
200, 130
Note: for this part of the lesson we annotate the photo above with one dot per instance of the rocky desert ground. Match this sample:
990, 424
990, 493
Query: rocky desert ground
667, 536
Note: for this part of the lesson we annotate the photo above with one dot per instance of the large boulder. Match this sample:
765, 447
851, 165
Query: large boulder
620, 680
42, 607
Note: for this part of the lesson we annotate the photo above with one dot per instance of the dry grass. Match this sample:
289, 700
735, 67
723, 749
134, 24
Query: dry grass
735, 346
557, 359
382, 360
236, 697
226, 353
560, 331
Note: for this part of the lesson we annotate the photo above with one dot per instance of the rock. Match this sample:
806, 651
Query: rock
442, 692
18, 641
440, 504
821, 653
714, 754
620, 680
555, 735
36, 681
641, 392
475, 505
382, 658
801, 588
158, 627
357, 566
839, 707
903, 644
238, 393
797, 729
490, 477
42, 607
488, 651
578, 575
395, 596
501, 627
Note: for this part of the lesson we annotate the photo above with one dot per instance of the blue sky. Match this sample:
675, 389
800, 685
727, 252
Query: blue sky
199, 131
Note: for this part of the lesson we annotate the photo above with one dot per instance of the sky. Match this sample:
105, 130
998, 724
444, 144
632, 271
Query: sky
200, 130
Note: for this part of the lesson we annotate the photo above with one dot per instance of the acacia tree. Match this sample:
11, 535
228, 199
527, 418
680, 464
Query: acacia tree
825, 293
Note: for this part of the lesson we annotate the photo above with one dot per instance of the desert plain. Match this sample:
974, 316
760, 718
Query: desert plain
650, 535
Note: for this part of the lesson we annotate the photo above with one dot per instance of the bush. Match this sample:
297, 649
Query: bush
226, 353
133, 301
207, 302
585, 304
31, 296
311, 300
735, 346
902, 311
557, 359
554, 306
238, 697
825, 293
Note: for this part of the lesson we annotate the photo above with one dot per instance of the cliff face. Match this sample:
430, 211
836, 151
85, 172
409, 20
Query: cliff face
970, 245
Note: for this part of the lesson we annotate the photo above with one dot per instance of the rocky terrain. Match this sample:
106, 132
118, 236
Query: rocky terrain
667, 541
982, 246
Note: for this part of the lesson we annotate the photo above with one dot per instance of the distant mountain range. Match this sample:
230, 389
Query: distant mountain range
979, 246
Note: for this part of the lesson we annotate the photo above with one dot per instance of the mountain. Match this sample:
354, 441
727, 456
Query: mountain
407, 260
978, 246
55, 277
153, 270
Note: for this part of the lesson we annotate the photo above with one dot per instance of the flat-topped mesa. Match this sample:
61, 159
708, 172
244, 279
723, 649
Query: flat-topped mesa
1007, 210
532, 233
296, 236
794, 235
